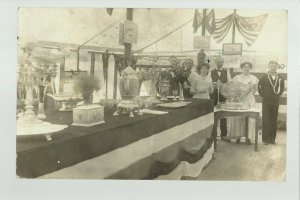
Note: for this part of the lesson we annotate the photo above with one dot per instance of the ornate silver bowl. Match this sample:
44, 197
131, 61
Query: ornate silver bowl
234, 93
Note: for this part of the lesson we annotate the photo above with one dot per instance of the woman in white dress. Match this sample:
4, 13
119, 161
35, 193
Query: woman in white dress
201, 86
237, 125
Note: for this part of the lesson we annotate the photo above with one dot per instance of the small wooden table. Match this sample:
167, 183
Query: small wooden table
224, 113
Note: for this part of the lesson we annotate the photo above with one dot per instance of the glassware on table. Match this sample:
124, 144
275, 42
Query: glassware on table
175, 94
164, 88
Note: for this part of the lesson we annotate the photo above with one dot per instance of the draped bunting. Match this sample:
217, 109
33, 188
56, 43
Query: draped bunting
248, 27
222, 27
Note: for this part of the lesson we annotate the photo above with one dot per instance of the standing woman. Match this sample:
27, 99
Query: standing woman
201, 87
237, 128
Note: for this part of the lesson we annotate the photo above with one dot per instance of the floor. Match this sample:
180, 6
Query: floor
240, 162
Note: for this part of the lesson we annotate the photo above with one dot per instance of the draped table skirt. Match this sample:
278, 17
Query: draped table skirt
145, 147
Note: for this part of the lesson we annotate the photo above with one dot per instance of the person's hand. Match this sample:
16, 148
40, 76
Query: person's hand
215, 85
210, 89
201, 91
186, 85
254, 88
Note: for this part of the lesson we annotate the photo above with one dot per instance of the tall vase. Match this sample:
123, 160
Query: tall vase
181, 97
41, 110
164, 87
152, 100
29, 116
29, 101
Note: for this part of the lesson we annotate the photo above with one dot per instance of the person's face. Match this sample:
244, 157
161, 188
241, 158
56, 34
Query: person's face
219, 63
189, 64
273, 67
201, 58
173, 61
246, 69
204, 70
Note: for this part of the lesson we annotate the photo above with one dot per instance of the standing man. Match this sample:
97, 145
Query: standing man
189, 68
174, 64
220, 76
270, 88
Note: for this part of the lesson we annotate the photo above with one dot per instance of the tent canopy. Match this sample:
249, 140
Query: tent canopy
74, 26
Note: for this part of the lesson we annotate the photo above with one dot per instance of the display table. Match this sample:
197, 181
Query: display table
224, 113
144, 147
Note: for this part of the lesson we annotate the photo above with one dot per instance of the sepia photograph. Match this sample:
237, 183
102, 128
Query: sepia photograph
122, 99
152, 94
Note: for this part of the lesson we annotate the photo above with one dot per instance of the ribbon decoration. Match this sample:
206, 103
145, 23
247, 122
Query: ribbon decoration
248, 27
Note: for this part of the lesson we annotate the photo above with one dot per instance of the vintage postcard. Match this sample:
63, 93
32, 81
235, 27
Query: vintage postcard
152, 94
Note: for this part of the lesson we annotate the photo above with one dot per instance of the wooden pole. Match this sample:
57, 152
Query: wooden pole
233, 35
204, 22
233, 27
180, 40
77, 52
92, 71
115, 81
128, 46
62, 76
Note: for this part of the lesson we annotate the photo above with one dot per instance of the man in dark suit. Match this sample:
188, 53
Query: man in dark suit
270, 88
220, 76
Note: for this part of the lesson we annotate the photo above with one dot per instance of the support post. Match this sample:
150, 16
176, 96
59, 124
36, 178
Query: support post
62, 76
204, 22
115, 80
77, 52
92, 70
233, 27
128, 46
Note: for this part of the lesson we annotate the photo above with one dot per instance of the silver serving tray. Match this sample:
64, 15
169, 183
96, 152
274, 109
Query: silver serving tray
173, 104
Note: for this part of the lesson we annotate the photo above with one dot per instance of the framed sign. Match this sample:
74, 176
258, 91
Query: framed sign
232, 49
130, 32
201, 42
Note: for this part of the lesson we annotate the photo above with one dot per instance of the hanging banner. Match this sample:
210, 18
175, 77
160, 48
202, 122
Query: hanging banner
232, 61
130, 32
201, 42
